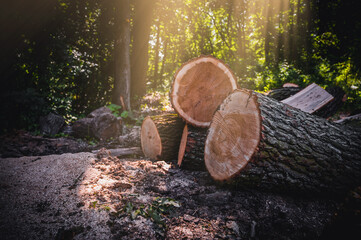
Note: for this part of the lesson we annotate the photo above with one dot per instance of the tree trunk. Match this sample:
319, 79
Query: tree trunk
265, 143
160, 136
199, 86
121, 91
191, 150
139, 59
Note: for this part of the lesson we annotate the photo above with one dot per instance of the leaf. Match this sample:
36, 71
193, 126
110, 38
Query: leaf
124, 114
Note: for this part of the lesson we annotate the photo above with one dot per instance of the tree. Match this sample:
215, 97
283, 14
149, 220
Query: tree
139, 56
121, 91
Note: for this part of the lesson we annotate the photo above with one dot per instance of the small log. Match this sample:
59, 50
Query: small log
117, 152
262, 142
199, 86
160, 136
191, 150
283, 93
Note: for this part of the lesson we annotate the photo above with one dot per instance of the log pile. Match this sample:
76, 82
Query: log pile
250, 139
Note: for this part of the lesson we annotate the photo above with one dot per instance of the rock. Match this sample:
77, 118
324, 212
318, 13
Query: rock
98, 112
131, 139
82, 128
51, 124
106, 126
100, 124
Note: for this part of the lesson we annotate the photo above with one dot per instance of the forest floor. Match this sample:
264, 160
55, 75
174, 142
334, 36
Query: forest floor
98, 196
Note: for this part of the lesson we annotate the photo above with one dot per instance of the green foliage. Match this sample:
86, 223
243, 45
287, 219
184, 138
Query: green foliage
154, 211
68, 65
115, 109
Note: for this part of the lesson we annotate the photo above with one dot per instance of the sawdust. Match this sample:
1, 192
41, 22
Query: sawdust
88, 196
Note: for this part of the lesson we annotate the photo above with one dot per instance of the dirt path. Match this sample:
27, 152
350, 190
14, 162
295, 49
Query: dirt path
82, 196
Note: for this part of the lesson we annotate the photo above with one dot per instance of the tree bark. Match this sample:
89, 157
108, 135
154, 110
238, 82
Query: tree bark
332, 107
199, 86
262, 142
139, 58
160, 136
283, 93
191, 150
121, 91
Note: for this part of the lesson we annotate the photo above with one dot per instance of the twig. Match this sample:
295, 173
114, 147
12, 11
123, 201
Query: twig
75, 182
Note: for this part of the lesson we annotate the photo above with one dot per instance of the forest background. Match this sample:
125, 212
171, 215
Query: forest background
72, 56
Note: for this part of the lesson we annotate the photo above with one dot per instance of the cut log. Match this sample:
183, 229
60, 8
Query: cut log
339, 97
160, 136
310, 99
191, 150
285, 85
324, 111
199, 87
120, 152
262, 142
283, 93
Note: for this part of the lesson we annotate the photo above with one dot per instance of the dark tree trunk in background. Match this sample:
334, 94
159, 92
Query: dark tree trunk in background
121, 91
268, 32
280, 42
291, 52
139, 58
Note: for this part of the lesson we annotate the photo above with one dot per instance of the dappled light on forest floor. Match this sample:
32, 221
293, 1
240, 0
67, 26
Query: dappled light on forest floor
107, 197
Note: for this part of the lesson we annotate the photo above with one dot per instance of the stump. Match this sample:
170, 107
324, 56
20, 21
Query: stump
160, 136
199, 87
191, 150
262, 142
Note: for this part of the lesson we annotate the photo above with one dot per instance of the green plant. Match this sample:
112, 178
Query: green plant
114, 108
61, 134
154, 211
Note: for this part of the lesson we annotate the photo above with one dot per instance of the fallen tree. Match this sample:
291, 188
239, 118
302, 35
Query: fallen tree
191, 150
199, 87
160, 136
258, 141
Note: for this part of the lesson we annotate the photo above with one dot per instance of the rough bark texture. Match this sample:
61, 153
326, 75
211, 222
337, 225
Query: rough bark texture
283, 93
199, 86
297, 151
332, 107
191, 151
121, 91
161, 140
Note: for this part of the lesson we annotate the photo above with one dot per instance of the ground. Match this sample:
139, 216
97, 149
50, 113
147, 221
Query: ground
99, 196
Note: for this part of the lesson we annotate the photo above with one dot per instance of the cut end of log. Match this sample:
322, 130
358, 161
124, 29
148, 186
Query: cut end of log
150, 139
182, 146
233, 136
199, 86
